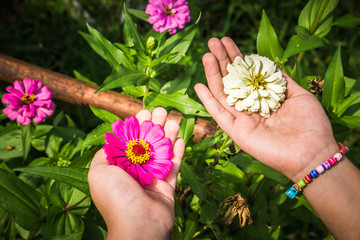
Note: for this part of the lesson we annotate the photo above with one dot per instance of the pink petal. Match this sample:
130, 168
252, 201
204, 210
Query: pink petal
118, 129
155, 134
144, 176
8, 98
113, 140
19, 86
145, 127
163, 152
132, 170
132, 128
12, 115
44, 94
15, 92
29, 86
113, 151
159, 171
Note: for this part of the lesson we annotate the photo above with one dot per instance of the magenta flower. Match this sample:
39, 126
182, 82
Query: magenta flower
141, 150
28, 99
168, 14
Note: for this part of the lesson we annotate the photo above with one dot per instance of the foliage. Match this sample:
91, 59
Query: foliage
43, 167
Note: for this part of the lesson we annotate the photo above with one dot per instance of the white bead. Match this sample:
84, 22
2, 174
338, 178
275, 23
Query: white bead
320, 169
338, 156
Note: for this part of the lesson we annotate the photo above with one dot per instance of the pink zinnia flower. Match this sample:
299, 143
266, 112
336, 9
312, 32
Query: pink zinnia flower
28, 99
141, 150
168, 14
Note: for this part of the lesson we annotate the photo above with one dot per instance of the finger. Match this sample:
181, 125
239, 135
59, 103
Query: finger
159, 115
214, 79
231, 48
222, 116
171, 129
99, 160
292, 88
143, 115
217, 49
178, 151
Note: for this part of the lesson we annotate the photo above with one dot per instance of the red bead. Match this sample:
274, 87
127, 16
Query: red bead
343, 151
307, 178
332, 161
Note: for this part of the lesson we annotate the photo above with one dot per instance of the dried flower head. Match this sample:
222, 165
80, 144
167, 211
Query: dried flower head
316, 86
237, 206
28, 99
254, 84
168, 14
141, 150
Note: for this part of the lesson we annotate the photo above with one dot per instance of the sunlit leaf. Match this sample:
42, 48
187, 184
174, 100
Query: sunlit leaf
104, 115
188, 174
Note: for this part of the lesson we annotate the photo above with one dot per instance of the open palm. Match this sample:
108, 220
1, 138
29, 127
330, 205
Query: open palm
124, 203
289, 140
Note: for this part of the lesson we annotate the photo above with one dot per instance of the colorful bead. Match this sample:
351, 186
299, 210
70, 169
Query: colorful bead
314, 174
301, 183
347, 149
320, 169
293, 190
307, 178
326, 165
338, 156
342, 151
332, 161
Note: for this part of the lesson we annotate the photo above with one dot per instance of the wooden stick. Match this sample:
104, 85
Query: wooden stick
74, 91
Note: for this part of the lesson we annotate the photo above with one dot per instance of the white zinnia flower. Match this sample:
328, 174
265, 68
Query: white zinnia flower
254, 84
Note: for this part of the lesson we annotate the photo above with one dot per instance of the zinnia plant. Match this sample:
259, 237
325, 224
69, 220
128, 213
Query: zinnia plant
28, 99
254, 84
168, 14
141, 150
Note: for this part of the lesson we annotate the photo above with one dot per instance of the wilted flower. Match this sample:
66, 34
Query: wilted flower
141, 150
237, 206
254, 84
168, 14
28, 99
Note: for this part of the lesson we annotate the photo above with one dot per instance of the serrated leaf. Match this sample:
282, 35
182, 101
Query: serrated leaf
96, 136
133, 32
187, 174
181, 102
187, 125
20, 200
347, 21
113, 55
247, 162
123, 77
334, 84
301, 42
75, 177
267, 42
104, 115
311, 12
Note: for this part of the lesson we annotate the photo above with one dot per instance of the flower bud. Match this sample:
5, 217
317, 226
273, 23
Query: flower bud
150, 43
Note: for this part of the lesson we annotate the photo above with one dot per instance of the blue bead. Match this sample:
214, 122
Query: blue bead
291, 193
314, 174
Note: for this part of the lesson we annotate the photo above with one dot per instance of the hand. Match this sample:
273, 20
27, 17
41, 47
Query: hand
294, 140
130, 210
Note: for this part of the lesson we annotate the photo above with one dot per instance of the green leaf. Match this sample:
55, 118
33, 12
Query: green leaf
300, 76
301, 42
71, 236
105, 116
267, 43
314, 19
83, 78
11, 142
187, 125
123, 77
249, 163
26, 135
347, 21
96, 136
181, 83
76, 177
135, 91
179, 43
343, 105
94, 45
190, 229
139, 14
19, 200
334, 84
348, 121
113, 55
133, 32
83, 161
187, 174
181, 102
217, 231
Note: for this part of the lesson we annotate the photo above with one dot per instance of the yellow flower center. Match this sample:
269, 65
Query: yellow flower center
258, 80
27, 99
168, 11
138, 151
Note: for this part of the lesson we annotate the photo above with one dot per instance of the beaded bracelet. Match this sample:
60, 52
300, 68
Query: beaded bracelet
294, 189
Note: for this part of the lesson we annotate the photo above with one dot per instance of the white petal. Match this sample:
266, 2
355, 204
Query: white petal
264, 109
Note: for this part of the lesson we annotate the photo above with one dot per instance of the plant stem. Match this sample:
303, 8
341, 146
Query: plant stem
68, 208
312, 31
32, 235
257, 189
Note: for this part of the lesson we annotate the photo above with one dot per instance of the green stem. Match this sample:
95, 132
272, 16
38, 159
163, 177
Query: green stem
257, 189
32, 235
312, 31
68, 208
